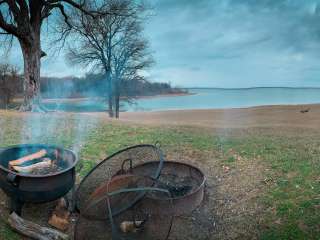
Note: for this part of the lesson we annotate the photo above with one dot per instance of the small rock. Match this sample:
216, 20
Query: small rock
278, 221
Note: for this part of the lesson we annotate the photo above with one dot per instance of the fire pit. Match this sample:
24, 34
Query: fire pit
118, 163
46, 180
184, 182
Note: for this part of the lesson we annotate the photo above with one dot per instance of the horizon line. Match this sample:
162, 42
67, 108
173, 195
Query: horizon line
247, 88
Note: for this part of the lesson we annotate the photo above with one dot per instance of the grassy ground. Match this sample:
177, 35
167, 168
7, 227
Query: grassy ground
262, 183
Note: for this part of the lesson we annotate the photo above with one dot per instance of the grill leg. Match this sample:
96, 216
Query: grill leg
70, 200
16, 206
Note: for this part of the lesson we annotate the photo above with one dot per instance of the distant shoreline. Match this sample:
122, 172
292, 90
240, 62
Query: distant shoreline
166, 95
77, 99
249, 88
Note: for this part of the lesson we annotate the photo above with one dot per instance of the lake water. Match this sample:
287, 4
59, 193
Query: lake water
229, 98
204, 99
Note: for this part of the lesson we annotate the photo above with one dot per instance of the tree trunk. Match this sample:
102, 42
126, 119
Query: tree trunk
110, 106
31, 83
117, 99
110, 95
107, 65
117, 105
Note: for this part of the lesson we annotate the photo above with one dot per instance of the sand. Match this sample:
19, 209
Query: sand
265, 116
286, 116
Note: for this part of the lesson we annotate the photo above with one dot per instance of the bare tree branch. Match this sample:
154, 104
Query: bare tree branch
62, 11
81, 7
23, 7
9, 28
14, 8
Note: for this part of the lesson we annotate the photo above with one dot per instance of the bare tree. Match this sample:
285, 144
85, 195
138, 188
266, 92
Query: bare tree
107, 43
130, 58
22, 19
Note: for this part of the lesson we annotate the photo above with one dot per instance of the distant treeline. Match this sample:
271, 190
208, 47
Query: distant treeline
91, 85
95, 85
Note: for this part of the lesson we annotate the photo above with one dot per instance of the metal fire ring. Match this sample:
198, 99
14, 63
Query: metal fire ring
181, 204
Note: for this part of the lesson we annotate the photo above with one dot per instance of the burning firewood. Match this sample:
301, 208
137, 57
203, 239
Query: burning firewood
28, 158
131, 226
47, 162
33, 230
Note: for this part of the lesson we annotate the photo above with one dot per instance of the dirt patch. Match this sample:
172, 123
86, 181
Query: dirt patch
229, 209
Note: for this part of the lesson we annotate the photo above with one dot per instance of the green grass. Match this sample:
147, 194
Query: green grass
6, 233
291, 198
292, 201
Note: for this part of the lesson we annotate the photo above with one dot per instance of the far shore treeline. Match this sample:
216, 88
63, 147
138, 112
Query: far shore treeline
94, 85
90, 85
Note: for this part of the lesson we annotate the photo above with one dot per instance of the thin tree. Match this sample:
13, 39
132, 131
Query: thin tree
23, 19
102, 42
130, 58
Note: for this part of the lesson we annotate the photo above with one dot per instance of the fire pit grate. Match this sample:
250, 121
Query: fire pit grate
119, 163
142, 220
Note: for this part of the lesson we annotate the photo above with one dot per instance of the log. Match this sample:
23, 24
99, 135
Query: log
131, 226
60, 216
34, 231
58, 222
28, 169
28, 158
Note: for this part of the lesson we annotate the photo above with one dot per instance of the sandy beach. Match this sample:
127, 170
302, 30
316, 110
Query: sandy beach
265, 116
286, 116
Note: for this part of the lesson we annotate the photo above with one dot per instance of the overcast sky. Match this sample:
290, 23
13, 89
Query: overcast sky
227, 43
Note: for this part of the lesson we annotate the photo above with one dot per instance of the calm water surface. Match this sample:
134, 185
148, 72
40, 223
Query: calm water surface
205, 99
229, 98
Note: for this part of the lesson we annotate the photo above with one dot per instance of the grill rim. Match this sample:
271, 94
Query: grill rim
195, 191
41, 145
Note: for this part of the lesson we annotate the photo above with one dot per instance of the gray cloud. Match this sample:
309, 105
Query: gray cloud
228, 43
236, 42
